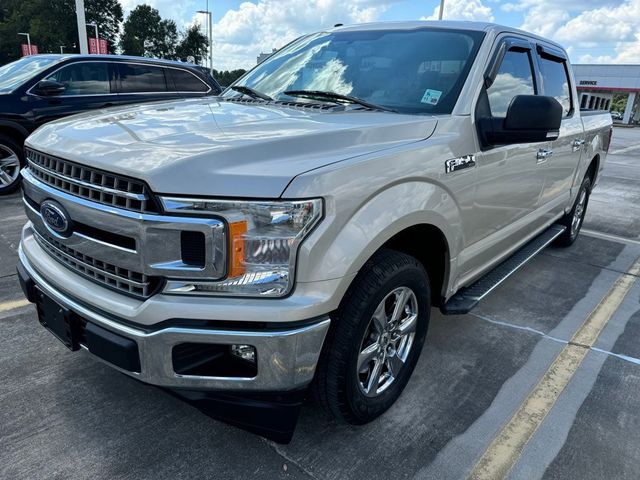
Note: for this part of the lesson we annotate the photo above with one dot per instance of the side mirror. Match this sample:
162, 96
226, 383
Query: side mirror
529, 119
49, 88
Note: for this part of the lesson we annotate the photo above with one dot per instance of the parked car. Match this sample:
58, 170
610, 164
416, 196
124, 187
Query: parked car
37, 89
295, 232
616, 115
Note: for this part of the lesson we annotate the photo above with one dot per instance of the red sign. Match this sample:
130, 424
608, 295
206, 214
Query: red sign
26, 52
97, 47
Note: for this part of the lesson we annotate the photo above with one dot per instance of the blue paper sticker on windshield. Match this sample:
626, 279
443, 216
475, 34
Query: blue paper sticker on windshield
431, 97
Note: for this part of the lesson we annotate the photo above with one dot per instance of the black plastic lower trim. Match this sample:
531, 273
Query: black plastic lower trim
273, 415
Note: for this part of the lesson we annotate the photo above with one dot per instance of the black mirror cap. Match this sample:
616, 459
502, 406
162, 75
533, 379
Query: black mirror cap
529, 119
49, 87
533, 112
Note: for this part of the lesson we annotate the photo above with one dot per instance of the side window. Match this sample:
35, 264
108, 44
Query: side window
136, 78
186, 81
515, 77
556, 82
85, 78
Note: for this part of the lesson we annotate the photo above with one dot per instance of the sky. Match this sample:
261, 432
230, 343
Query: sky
592, 31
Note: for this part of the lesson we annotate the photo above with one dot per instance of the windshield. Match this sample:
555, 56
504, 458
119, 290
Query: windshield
409, 71
14, 74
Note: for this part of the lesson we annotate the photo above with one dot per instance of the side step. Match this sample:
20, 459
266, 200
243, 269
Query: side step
468, 297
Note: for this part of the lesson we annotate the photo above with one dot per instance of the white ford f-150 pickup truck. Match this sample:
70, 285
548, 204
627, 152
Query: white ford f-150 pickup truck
296, 231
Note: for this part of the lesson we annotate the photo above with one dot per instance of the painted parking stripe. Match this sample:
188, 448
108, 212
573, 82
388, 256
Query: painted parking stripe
7, 306
624, 150
505, 449
610, 236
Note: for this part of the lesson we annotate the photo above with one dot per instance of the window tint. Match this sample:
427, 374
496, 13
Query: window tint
411, 71
141, 78
186, 81
85, 78
556, 83
514, 78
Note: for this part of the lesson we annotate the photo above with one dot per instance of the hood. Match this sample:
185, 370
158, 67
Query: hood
219, 148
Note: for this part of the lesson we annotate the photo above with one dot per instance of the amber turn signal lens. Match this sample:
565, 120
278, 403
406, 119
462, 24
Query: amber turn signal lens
237, 230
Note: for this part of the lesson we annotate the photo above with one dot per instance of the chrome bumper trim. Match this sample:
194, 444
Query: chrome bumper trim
286, 359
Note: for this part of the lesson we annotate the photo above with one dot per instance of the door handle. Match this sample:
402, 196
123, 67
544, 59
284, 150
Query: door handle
577, 144
543, 155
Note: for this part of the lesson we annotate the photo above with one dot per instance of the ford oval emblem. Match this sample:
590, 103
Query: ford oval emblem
55, 218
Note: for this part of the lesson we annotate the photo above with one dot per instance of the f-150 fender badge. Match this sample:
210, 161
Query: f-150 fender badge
459, 163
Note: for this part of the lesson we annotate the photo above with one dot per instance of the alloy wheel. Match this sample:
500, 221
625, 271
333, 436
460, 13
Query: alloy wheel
387, 341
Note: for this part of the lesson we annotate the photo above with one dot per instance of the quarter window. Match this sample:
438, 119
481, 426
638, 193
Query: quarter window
515, 77
556, 82
87, 78
187, 82
141, 78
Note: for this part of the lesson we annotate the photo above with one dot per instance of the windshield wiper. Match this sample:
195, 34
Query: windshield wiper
251, 92
337, 98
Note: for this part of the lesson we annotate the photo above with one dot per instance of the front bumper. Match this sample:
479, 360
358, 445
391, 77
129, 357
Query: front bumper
286, 357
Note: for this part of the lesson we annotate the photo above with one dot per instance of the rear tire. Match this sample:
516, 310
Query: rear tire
375, 339
11, 161
574, 219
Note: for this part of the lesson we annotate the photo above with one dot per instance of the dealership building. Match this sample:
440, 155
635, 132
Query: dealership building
598, 83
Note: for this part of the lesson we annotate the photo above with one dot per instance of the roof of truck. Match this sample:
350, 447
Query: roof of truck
450, 24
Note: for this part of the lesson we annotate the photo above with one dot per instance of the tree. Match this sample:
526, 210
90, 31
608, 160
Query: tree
108, 15
52, 24
166, 42
227, 77
194, 44
141, 31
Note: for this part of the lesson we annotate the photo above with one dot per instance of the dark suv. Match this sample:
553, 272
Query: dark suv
37, 89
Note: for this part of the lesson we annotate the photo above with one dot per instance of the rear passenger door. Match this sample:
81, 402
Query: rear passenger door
140, 82
561, 165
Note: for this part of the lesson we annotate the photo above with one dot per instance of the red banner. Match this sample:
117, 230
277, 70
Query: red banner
98, 47
25, 50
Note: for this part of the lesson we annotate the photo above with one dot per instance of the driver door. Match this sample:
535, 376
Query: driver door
88, 85
510, 178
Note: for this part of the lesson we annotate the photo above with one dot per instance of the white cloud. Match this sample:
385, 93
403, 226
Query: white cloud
595, 31
463, 10
259, 26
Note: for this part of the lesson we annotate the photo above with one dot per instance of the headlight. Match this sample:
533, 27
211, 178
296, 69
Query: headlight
263, 240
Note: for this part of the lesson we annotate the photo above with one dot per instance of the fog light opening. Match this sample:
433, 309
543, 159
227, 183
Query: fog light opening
245, 352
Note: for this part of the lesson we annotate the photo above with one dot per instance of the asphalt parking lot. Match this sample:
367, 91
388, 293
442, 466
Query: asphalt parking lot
65, 415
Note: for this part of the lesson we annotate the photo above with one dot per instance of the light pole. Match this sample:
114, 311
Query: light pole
441, 9
28, 40
208, 12
95, 25
82, 29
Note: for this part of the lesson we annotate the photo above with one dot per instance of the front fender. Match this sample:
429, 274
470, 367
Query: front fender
345, 240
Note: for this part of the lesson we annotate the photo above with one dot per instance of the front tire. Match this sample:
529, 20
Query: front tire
11, 161
375, 340
574, 219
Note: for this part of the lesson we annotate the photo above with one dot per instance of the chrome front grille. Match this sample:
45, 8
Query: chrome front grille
112, 276
91, 184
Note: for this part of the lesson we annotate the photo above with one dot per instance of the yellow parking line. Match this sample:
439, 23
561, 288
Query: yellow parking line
505, 450
6, 306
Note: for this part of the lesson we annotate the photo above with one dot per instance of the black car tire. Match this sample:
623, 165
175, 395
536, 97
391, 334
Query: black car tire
575, 218
8, 147
337, 384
